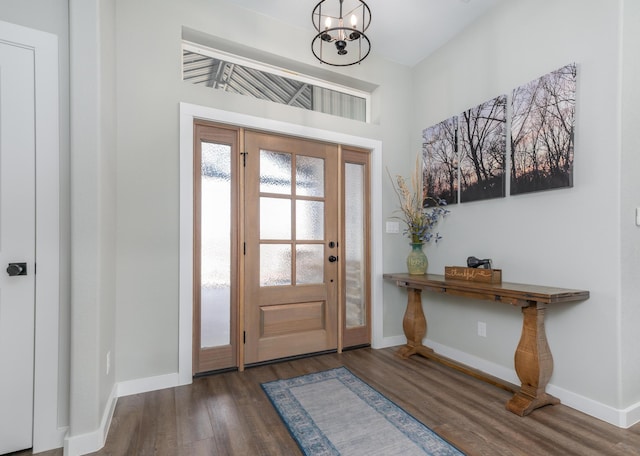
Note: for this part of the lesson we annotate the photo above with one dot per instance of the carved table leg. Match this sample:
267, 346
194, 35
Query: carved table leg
533, 363
414, 325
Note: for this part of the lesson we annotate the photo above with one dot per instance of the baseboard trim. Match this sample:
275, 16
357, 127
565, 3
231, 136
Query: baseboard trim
93, 441
631, 415
623, 418
496, 370
50, 440
392, 341
144, 385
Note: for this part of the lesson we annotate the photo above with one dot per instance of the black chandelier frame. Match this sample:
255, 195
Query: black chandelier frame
341, 35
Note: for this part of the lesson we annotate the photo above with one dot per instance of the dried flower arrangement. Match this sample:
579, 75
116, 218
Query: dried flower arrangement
420, 212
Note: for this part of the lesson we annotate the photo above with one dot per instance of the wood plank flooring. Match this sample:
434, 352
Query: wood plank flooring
228, 413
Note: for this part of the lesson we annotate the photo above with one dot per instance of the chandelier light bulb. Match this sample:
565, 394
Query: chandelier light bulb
327, 23
354, 21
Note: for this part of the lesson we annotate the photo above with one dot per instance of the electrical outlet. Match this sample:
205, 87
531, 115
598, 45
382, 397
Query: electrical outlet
108, 361
482, 329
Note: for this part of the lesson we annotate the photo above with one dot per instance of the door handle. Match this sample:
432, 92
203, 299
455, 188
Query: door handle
17, 269
333, 258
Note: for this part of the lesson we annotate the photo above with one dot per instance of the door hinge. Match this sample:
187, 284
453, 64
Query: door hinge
244, 248
244, 158
244, 337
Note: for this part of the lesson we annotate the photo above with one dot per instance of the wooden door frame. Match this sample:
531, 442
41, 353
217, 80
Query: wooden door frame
190, 112
350, 337
228, 355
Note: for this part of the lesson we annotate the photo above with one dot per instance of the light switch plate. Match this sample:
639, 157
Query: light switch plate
482, 329
393, 227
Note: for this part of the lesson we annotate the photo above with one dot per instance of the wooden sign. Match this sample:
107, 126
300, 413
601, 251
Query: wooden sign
473, 274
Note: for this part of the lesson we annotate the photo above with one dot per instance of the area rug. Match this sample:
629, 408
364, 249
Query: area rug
335, 413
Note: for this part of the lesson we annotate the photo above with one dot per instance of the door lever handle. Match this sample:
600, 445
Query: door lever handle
17, 269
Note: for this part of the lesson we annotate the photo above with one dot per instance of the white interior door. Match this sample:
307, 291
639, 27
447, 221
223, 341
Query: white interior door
17, 245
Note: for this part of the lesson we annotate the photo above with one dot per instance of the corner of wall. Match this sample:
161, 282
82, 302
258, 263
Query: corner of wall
93, 441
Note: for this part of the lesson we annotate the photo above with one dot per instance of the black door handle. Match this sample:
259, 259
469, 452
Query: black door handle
17, 269
333, 259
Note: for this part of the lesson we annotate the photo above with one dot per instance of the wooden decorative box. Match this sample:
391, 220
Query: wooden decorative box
473, 274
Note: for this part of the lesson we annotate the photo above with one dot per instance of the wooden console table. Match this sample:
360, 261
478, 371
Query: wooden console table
533, 360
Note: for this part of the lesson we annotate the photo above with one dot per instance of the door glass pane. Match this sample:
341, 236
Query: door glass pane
275, 218
309, 176
275, 172
354, 245
215, 254
309, 220
275, 265
309, 263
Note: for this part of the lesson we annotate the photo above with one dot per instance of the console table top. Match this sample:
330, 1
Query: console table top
511, 293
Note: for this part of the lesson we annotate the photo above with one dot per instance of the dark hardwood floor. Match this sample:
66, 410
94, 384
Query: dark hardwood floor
228, 413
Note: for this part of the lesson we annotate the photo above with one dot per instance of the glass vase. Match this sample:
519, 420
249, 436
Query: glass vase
417, 260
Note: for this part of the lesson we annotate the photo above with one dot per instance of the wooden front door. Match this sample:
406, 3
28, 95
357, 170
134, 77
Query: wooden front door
281, 242
291, 247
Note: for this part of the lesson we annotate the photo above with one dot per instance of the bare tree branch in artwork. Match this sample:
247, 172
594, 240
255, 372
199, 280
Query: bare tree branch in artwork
542, 132
483, 150
440, 161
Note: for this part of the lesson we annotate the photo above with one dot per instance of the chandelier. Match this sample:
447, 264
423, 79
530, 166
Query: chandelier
341, 26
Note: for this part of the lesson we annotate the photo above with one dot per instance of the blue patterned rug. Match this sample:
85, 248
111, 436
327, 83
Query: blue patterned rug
335, 413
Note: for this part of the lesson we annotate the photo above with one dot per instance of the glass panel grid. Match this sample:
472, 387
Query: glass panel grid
276, 260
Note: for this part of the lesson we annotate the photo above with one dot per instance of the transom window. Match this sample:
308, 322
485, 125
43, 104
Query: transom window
222, 71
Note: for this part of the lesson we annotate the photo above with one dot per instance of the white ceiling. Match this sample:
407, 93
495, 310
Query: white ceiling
403, 31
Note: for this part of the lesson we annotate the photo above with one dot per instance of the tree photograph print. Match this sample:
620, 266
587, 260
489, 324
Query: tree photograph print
483, 150
542, 132
465, 156
440, 161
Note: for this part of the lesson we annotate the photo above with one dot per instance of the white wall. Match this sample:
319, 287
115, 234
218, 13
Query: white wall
52, 16
107, 199
630, 194
93, 218
149, 90
570, 237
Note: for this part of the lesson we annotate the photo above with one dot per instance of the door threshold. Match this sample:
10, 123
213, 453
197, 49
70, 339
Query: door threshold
215, 371
290, 358
356, 347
